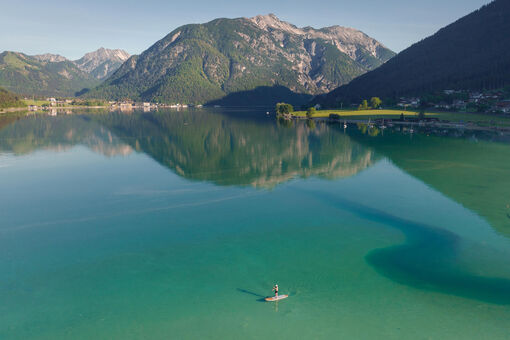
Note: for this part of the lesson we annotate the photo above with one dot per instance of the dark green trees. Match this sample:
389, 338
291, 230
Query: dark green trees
310, 112
8, 99
471, 54
375, 102
284, 109
363, 105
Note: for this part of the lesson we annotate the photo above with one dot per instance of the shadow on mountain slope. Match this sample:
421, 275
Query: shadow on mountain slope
263, 96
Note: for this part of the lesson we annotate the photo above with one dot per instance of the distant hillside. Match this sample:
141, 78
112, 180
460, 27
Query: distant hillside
54, 75
8, 99
472, 53
200, 63
28, 75
99, 64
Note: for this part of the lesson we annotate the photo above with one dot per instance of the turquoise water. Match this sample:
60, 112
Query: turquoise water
176, 225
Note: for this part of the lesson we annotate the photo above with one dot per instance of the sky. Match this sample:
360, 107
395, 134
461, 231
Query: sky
73, 28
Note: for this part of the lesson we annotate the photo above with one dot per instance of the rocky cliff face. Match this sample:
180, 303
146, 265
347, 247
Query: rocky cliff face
200, 63
354, 43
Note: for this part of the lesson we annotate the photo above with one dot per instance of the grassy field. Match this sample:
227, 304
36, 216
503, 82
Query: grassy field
36, 102
354, 113
471, 117
481, 119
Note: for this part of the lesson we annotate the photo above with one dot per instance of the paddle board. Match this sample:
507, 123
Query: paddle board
276, 298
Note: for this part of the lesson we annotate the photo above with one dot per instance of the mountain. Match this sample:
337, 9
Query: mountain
199, 63
54, 75
52, 58
24, 74
8, 99
472, 53
102, 63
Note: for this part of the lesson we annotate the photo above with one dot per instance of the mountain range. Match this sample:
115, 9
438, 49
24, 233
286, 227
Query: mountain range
264, 60
202, 63
55, 75
471, 53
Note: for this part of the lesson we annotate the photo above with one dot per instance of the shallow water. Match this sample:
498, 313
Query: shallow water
177, 225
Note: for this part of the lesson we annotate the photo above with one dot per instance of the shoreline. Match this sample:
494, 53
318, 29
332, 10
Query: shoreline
464, 120
364, 119
21, 109
446, 125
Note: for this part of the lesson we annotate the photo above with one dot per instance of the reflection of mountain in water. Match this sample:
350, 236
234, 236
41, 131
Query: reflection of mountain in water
6, 119
469, 169
204, 146
231, 151
28, 134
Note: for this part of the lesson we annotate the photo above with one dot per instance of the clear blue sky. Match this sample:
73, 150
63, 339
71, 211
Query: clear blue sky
72, 28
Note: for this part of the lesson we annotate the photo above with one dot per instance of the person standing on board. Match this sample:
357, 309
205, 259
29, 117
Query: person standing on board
275, 288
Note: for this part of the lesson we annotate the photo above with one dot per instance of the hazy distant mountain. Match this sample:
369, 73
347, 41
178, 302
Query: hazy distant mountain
54, 75
28, 75
53, 58
472, 53
199, 63
102, 63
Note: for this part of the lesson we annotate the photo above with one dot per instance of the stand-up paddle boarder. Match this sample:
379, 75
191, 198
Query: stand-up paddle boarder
276, 297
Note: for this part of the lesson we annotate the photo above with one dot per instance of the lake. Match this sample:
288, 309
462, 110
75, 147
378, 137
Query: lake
177, 224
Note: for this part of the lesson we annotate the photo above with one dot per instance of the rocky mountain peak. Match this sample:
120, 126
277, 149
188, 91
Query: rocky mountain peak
103, 62
48, 57
100, 63
104, 54
345, 39
272, 22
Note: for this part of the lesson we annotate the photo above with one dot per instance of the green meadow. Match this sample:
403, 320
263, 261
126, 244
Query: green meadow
479, 118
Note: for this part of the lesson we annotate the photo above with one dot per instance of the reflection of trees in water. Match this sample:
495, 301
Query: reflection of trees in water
232, 151
468, 167
371, 131
6, 119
